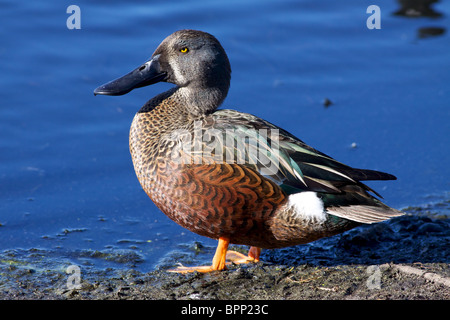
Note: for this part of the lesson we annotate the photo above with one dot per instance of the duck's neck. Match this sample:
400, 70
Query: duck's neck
183, 103
201, 100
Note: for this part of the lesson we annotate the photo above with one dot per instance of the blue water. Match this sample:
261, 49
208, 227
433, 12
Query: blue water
67, 184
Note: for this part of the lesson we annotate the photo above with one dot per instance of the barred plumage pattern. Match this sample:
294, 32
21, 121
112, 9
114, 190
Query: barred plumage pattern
213, 199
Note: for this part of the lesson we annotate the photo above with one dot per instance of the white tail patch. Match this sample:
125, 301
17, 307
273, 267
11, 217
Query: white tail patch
307, 205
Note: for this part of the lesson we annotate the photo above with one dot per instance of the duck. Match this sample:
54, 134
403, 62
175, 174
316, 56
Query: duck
230, 175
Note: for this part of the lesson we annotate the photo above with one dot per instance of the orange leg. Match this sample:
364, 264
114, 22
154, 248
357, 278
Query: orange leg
220, 257
239, 258
254, 253
218, 262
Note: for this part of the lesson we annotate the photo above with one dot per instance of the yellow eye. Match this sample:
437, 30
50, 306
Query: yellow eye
184, 50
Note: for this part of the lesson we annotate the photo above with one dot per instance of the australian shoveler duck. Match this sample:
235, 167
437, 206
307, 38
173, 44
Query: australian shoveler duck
230, 175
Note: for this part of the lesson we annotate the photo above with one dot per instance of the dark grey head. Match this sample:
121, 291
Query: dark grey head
193, 60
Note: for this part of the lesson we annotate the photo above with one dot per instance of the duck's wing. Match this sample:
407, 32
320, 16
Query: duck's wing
296, 167
282, 157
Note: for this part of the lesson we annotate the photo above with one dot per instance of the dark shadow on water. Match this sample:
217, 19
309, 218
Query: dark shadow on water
428, 32
421, 9
417, 8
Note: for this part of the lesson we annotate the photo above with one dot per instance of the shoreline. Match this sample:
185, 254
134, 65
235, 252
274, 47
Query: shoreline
389, 281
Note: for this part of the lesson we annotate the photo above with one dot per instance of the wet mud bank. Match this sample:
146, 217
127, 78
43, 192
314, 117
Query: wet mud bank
260, 282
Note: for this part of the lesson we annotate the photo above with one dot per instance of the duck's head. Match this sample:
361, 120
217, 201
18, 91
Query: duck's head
193, 60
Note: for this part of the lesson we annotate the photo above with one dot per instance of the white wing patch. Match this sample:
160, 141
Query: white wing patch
307, 205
